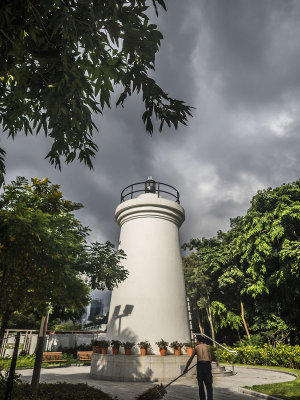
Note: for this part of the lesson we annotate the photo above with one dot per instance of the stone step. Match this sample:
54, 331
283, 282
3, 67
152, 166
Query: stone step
222, 373
218, 370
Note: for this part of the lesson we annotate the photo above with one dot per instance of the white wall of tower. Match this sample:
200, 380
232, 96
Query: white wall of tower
154, 291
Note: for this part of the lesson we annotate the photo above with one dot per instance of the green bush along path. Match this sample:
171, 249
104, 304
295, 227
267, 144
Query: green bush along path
279, 356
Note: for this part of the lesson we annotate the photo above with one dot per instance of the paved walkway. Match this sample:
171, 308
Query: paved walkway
225, 388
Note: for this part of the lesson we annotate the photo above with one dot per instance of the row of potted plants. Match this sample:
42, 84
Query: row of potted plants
176, 346
101, 346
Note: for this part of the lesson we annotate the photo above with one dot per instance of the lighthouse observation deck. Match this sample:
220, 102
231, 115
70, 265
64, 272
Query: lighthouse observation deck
150, 186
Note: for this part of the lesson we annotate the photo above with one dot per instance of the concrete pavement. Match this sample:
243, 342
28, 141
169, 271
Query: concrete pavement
225, 388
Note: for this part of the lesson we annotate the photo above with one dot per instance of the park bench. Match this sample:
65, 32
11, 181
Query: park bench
54, 357
84, 356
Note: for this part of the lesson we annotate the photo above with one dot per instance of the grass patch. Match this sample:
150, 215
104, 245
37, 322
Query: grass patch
284, 390
58, 391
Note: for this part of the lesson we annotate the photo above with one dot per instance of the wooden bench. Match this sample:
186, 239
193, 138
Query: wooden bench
54, 357
84, 356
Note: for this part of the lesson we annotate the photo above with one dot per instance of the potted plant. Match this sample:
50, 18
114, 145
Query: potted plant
144, 346
115, 346
95, 346
104, 345
162, 344
176, 346
127, 347
189, 347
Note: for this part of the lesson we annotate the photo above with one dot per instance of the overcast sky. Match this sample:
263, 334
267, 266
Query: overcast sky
238, 63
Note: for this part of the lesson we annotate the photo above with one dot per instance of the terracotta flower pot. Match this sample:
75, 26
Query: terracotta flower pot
127, 352
143, 351
163, 352
115, 351
189, 351
103, 350
177, 352
96, 349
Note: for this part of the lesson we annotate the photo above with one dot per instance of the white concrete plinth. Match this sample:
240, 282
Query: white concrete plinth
137, 368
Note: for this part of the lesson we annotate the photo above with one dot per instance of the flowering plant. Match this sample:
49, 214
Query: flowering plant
116, 343
176, 345
162, 344
128, 345
144, 345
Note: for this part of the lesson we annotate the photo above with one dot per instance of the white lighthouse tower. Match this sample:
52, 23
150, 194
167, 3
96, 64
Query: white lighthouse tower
151, 303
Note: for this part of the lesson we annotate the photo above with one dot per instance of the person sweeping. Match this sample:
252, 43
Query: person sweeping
204, 373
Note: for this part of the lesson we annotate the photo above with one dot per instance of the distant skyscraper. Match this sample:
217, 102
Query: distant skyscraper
96, 309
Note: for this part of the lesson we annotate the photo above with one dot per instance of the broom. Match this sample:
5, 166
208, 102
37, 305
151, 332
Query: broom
158, 391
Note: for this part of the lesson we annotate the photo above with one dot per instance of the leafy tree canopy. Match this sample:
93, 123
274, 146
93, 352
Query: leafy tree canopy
61, 61
44, 255
250, 275
68, 326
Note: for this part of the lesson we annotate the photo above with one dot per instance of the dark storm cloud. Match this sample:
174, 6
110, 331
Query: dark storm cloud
175, 57
255, 49
238, 63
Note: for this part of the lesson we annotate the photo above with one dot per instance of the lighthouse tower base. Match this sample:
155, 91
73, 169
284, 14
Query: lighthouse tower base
138, 368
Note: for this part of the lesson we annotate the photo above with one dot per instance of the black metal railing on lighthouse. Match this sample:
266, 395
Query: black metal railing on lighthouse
150, 186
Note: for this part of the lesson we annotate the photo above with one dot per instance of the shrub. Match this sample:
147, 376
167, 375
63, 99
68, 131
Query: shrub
69, 351
279, 356
4, 375
128, 345
144, 345
190, 344
22, 362
23, 391
162, 344
28, 361
116, 344
84, 347
176, 345
103, 343
69, 326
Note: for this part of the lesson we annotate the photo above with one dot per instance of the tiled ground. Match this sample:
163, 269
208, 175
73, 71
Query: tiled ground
225, 388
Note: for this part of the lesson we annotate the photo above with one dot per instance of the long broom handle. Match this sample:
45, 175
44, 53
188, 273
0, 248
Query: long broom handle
180, 376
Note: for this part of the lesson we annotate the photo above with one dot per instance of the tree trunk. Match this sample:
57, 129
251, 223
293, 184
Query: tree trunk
3, 278
10, 379
39, 352
4, 324
208, 310
239, 336
244, 321
199, 323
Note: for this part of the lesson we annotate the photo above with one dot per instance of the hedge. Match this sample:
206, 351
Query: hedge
22, 362
279, 356
28, 361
